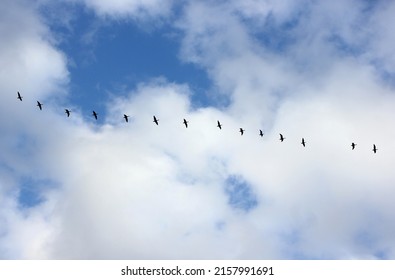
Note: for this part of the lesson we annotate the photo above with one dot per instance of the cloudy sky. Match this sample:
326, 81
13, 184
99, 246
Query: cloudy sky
77, 188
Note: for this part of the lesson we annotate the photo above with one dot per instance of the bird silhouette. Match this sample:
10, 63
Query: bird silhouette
303, 142
219, 125
241, 131
94, 114
374, 148
260, 133
19, 96
67, 111
281, 137
40, 105
156, 120
353, 145
126, 117
186, 123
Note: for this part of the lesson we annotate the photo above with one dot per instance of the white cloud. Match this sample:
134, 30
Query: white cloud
25, 56
137, 190
382, 42
31, 65
137, 9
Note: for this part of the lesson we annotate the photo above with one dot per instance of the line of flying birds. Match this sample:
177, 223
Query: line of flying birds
185, 122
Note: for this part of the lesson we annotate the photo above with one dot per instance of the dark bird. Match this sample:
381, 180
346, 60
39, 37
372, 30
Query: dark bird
67, 111
186, 123
40, 105
19, 96
374, 148
303, 142
353, 145
94, 114
126, 117
156, 120
260, 133
241, 131
219, 125
281, 137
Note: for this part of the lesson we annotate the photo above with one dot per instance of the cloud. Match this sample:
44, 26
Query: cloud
136, 9
26, 52
138, 190
33, 66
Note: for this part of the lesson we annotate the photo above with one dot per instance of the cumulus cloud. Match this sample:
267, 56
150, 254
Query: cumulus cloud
33, 66
137, 190
27, 51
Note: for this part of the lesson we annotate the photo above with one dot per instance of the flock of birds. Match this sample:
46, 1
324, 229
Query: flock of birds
185, 122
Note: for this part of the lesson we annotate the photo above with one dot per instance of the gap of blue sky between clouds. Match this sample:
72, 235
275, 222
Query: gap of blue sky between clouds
111, 58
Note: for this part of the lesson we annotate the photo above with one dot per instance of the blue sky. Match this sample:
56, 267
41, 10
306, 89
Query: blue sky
73, 188
115, 56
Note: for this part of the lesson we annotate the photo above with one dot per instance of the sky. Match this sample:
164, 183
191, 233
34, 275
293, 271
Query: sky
79, 188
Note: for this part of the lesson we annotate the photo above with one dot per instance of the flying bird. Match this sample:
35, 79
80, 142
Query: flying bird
67, 111
156, 120
186, 123
40, 105
19, 96
374, 148
241, 131
94, 114
126, 117
303, 142
219, 125
281, 137
353, 145
261, 133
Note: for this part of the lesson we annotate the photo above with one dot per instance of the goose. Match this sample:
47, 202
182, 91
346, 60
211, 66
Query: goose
219, 125
303, 142
40, 105
156, 120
